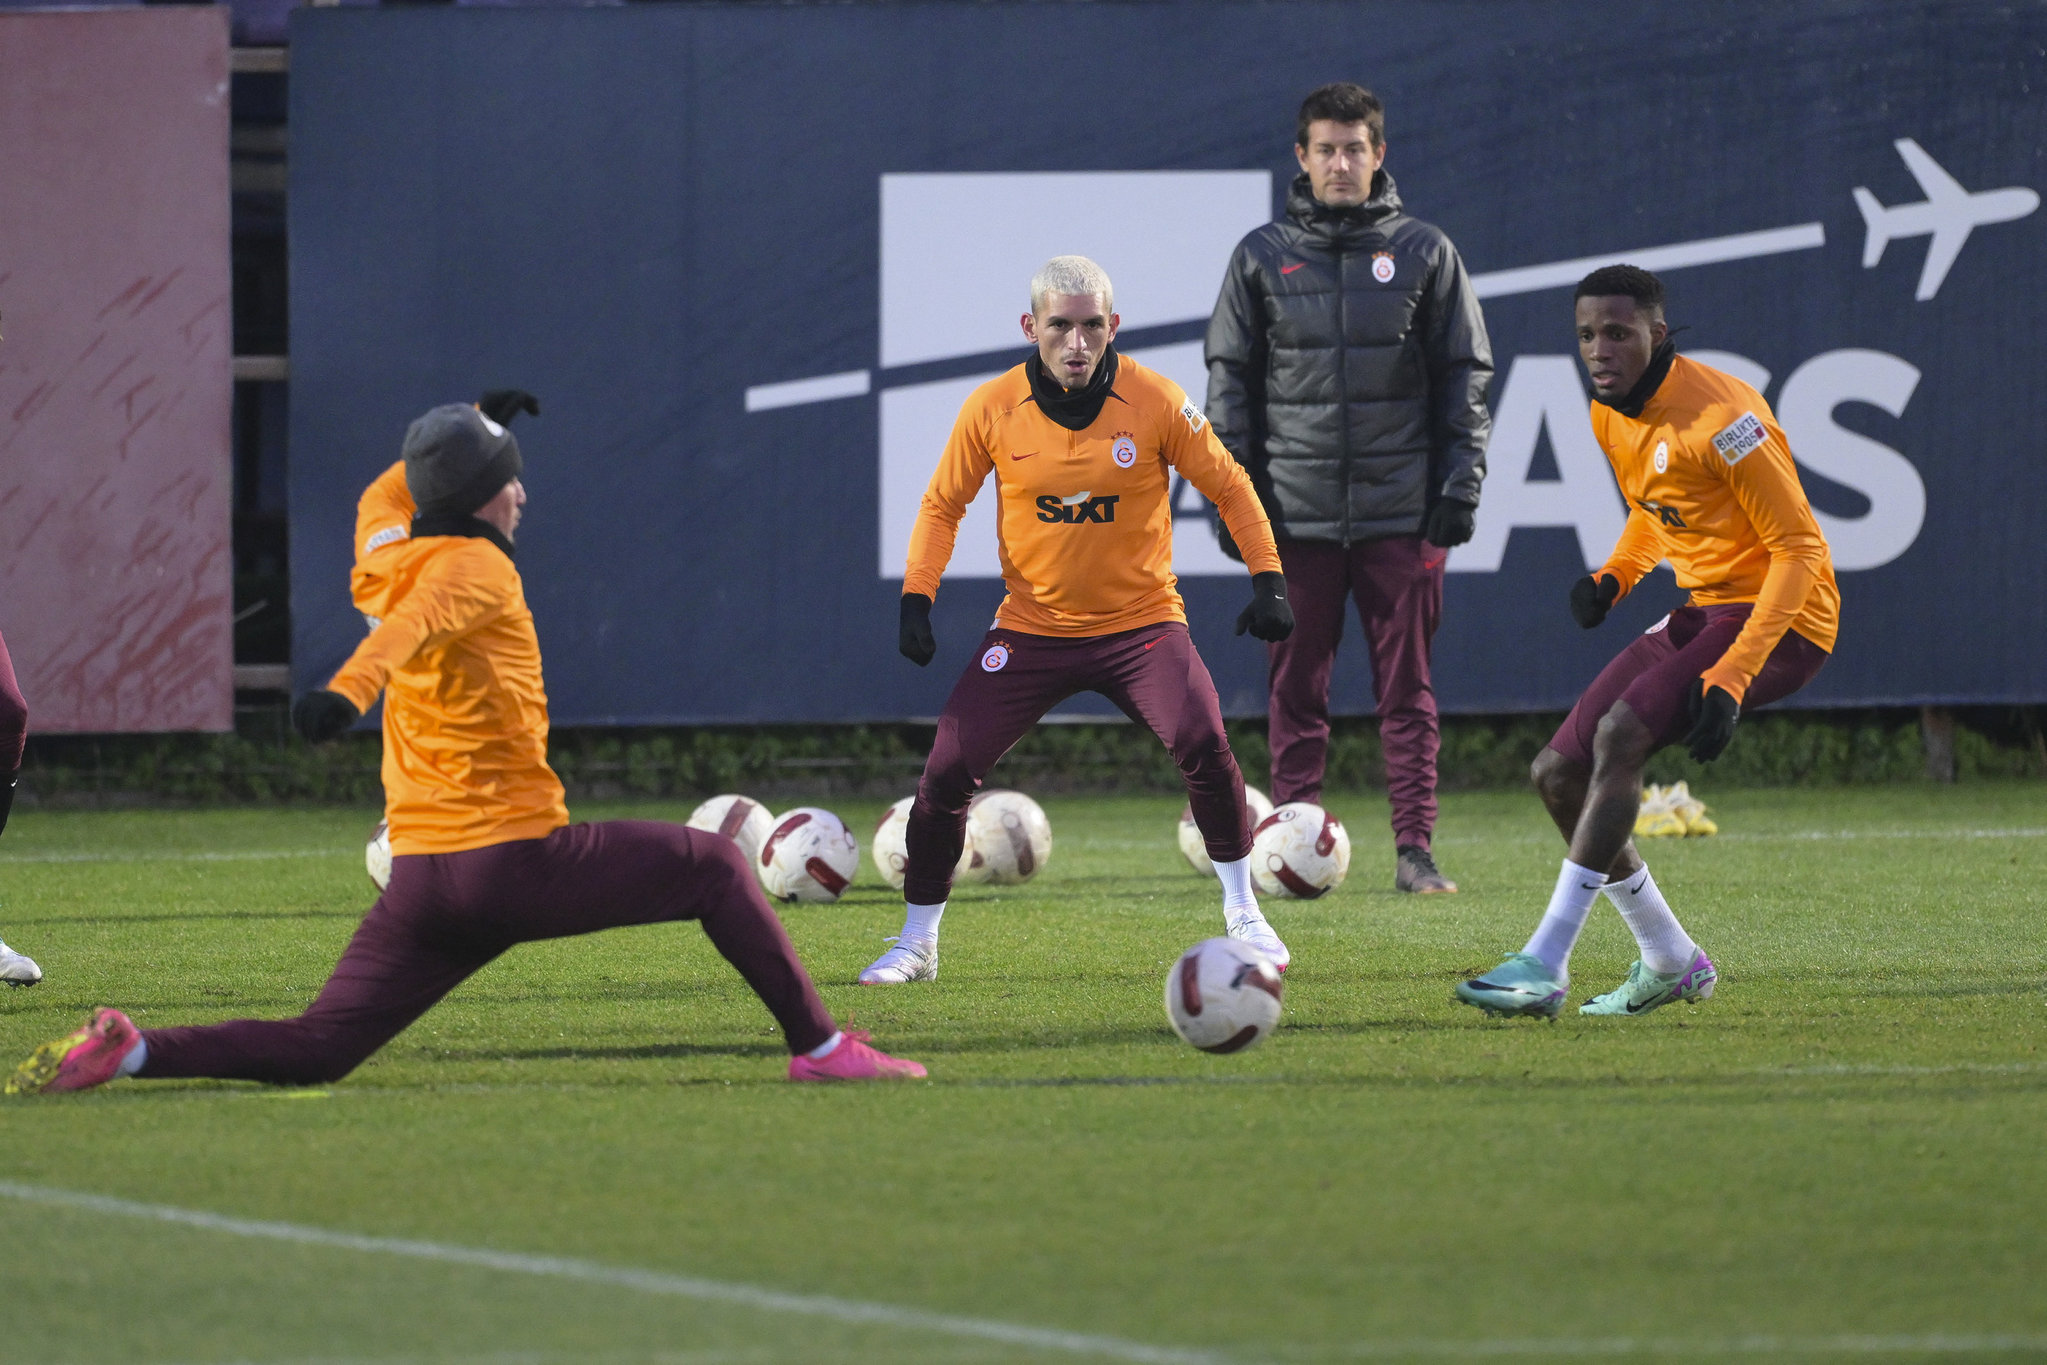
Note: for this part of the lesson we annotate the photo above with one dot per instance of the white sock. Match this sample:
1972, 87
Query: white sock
1666, 947
1236, 878
1577, 888
826, 1048
132, 1063
920, 922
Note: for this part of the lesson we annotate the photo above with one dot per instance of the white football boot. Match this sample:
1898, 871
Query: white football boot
912, 959
1248, 926
16, 970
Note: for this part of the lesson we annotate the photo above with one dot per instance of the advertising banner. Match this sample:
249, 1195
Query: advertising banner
754, 258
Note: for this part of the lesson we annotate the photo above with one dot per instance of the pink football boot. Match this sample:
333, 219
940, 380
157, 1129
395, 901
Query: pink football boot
78, 1061
853, 1060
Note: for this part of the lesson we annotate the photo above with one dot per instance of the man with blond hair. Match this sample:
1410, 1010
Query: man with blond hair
1082, 444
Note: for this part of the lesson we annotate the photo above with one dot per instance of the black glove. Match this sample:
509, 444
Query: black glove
1268, 617
320, 716
1713, 715
1227, 542
915, 639
1450, 523
1592, 598
502, 405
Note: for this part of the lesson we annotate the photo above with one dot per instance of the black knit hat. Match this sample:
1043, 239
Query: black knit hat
456, 460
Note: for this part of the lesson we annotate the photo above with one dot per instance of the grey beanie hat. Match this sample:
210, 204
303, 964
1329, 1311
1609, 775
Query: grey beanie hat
456, 460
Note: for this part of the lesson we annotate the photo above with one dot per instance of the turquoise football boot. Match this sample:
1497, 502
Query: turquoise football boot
1520, 985
1645, 990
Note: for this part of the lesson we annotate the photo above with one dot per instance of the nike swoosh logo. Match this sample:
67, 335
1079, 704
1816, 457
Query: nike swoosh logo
1024, 456
1149, 643
1592, 886
1290, 269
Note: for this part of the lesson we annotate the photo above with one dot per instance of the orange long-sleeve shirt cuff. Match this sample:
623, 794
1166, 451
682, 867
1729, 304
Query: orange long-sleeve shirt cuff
1785, 588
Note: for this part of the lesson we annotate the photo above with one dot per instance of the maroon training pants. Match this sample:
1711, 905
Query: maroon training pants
13, 715
1154, 676
447, 914
1397, 583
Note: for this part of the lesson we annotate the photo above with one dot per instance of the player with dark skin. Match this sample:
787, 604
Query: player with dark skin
1713, 489
1596, 809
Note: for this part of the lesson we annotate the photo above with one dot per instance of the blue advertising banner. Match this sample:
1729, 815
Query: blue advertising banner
754, 257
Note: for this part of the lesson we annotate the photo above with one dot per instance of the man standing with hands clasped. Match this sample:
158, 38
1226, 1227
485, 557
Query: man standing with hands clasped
1347, 369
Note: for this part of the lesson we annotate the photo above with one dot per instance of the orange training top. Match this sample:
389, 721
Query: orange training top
383, 518
1711, 487
465, 712
1086, 517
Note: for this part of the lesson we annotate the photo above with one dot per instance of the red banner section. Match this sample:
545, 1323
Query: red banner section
115, 372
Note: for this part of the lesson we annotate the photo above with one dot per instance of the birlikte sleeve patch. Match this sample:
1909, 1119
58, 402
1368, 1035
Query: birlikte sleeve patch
1195, 420
1740, 438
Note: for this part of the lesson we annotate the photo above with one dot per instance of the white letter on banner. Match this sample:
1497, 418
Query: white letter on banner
1897, 496
1543, 391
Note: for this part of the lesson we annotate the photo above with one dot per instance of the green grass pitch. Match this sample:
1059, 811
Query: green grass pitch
1843, 1155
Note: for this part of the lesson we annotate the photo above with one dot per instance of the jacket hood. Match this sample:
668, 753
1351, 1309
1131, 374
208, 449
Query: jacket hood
1313, 216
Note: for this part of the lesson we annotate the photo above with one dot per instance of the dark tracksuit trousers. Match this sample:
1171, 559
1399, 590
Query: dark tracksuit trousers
13, 716
1154, 676
1397, 584
445, 915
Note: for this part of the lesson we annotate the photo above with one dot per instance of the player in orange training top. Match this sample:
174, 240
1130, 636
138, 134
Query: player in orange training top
1082, 444
484, 854
1711, 487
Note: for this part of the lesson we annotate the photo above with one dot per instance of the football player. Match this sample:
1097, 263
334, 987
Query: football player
484, 855
1082, 444
16, 969
1710, 486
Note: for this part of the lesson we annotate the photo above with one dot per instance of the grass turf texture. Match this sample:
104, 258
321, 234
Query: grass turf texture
1844, 1141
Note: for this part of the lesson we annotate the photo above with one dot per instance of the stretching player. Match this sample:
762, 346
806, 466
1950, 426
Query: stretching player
1711, 487
485, 855
1083, 444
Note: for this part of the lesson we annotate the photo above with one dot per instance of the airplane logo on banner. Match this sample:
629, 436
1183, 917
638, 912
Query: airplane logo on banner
956, 250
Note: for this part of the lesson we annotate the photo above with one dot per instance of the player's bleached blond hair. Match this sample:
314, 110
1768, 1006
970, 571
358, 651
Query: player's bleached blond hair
1071, 275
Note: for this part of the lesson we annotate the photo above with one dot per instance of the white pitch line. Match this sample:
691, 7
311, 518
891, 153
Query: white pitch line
1741, 246
249, 856
853, 1311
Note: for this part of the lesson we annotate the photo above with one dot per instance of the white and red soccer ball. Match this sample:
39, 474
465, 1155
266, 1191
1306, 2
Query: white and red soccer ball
1299, 852
1009, 840
891, 846
1223, 995
377, 857
809, 855
1257, 805
741, 819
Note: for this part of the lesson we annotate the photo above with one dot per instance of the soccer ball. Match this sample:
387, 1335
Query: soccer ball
1299, 851
378, 856
1255, 802
1223, 996
741, 819
1008, 838
891, 845
809, 855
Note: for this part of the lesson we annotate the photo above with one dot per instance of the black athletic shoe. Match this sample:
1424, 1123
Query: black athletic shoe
1416, 872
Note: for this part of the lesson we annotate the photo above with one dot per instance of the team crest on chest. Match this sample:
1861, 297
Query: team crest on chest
1123, 450
1382, 266
1662, 457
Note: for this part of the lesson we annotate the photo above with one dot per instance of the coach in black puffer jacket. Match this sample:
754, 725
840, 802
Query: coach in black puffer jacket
1356, 401
1347, 370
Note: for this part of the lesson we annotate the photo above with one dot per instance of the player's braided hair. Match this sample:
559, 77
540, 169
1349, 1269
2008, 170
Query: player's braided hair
1633, 281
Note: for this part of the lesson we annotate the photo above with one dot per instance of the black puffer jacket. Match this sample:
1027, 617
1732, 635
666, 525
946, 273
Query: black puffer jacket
1347, 369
